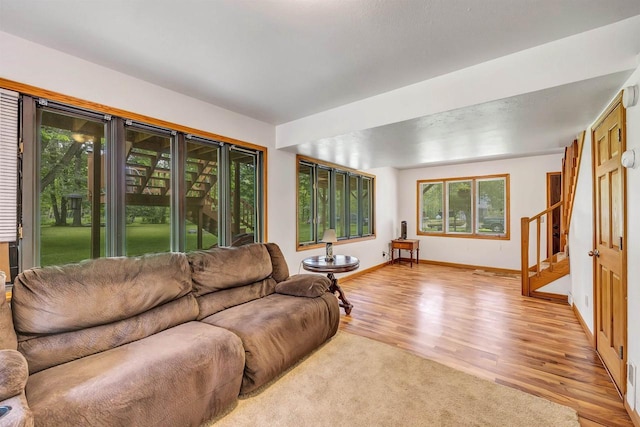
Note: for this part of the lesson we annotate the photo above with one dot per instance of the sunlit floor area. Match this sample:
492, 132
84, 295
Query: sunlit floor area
478, 322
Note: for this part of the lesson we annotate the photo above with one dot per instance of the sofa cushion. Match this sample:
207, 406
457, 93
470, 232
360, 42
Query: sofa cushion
279, 263
45, 351
95, 292
223, 268
179, 377
304, 285
214, 302
277, 331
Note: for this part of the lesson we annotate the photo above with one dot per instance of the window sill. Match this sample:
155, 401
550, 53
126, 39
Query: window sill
301, 248
468, 236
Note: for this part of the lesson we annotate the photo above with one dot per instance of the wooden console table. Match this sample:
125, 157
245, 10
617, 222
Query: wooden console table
340, 264
408, 245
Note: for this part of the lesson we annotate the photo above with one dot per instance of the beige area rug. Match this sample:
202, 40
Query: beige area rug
355, 381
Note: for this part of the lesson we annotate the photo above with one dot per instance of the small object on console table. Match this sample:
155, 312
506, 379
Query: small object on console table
408, 245
340, 264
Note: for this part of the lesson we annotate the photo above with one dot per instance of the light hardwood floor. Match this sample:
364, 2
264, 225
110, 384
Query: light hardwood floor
479, 323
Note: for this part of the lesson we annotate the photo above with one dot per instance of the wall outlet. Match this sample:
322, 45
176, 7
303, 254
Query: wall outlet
586, 300
632, 392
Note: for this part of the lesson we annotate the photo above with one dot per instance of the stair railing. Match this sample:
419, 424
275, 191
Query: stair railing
525, 250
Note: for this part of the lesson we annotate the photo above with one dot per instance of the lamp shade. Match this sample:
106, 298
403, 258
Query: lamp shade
329, 236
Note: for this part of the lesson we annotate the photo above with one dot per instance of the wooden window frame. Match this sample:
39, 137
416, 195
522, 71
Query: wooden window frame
474, 234
116, 248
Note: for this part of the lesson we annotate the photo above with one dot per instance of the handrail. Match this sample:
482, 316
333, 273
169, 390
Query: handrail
544, 212
579, 145
525, 224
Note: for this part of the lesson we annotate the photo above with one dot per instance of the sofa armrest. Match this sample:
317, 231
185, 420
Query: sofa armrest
8, 337
17, 413
14, 372
304, 285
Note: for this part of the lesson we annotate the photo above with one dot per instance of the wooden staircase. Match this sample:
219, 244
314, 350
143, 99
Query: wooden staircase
537, 271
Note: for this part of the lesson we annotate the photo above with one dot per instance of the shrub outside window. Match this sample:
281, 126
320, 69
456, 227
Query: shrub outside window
464, 207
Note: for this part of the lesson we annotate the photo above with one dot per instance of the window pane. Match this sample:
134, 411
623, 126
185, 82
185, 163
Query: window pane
71, 188
243, 198
148, 191
353, 206
431, 207
341, 204
459, 204
323, 201
491, 206
366, 206
203, 213
305, 204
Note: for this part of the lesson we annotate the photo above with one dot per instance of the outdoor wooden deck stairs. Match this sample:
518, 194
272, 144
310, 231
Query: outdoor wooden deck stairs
538, 271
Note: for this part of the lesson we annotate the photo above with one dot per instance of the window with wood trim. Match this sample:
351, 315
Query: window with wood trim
464, 207
333, 197
103, 185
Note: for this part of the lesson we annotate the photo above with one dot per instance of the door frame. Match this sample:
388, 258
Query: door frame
550, 203
617, 101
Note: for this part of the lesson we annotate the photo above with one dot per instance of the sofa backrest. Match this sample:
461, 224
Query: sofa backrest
226, 277
67, 312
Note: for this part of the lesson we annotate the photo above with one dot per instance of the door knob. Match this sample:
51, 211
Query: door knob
595, 253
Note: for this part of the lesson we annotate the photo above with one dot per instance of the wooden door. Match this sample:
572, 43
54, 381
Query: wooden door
554, 195
609, 245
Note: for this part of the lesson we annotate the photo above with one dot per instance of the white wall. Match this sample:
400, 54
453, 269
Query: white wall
633, 239
528, 197
37, 65
581, 241
581, 238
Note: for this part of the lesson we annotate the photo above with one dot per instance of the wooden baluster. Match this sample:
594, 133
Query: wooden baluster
524, 255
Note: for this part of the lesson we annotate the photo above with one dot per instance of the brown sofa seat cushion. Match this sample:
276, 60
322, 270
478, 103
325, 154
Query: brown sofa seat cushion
181, 376
304, 285
277, 331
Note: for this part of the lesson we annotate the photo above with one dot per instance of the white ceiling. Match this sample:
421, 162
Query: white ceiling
282, 60
537, 123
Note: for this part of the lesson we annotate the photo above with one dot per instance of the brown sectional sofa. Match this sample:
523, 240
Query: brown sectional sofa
159, 340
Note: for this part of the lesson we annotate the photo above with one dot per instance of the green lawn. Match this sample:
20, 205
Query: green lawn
61, 245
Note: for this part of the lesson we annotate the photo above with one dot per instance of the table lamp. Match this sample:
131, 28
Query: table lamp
329, 237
